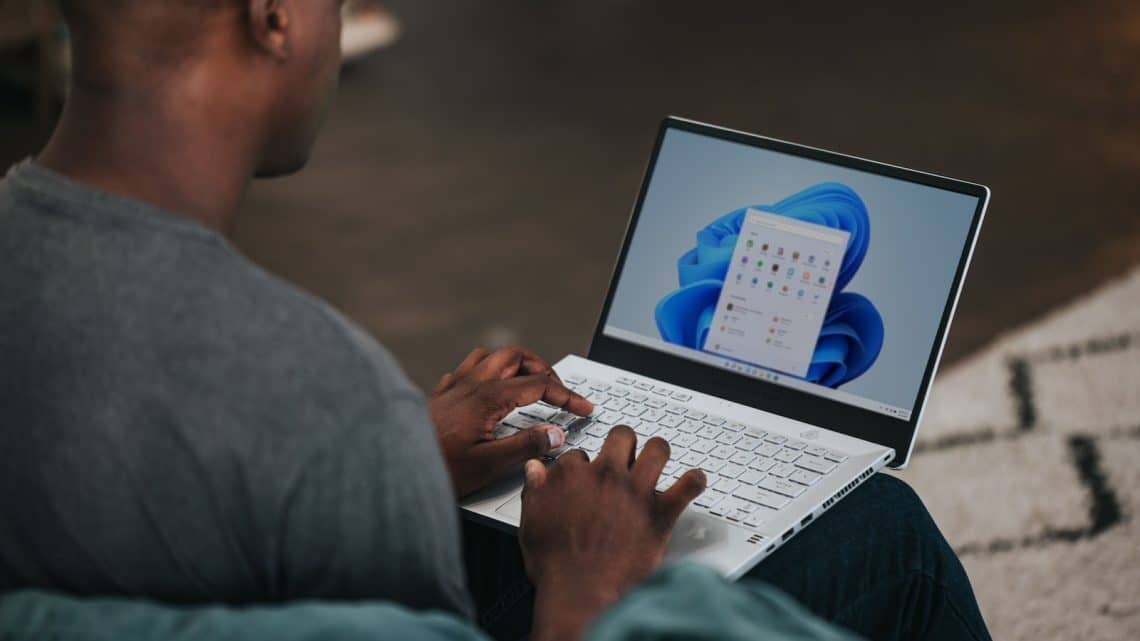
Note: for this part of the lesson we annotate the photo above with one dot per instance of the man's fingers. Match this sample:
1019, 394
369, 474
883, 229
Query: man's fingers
619, 447
524, 390
474, 358
674, 500
444, 383
534, 474
507, 453
508, 362
647, 468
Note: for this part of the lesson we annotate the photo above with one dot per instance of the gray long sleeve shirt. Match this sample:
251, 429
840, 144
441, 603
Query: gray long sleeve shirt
176, 423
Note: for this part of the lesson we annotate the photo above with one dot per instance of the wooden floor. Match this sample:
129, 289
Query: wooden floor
474, 182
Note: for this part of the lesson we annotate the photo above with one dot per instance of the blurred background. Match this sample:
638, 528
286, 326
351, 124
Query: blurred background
475, 178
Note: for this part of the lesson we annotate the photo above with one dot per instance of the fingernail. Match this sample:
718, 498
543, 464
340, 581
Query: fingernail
557, 438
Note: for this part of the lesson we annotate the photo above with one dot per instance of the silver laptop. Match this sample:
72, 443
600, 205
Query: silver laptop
776, 314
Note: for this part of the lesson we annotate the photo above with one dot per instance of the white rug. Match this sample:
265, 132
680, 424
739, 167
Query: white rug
1029, 459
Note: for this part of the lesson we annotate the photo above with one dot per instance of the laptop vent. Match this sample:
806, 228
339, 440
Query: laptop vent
847, 488
755, 538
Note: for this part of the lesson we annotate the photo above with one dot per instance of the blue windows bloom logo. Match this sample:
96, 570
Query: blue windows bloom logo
852, 334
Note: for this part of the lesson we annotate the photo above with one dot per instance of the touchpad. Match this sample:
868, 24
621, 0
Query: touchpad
512, 509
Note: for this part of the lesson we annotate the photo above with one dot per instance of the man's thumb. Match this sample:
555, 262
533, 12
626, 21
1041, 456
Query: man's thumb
528, 444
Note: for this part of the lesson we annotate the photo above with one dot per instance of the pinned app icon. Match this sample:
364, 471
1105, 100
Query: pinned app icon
754, 281
739, 276
800, 293
791, 271
822, 280
770, 284
780, 251
795, 255
744, 260
775, 268
764, 247
811, 259
785, 289
807, 275
750, 244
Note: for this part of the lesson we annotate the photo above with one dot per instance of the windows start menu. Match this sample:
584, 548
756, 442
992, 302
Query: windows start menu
776, 292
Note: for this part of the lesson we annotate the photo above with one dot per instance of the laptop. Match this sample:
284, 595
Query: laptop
777, 313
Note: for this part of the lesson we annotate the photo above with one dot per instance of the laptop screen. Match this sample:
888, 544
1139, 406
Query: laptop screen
802, 273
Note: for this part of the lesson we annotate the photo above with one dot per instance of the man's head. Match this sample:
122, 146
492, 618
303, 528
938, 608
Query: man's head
265, 69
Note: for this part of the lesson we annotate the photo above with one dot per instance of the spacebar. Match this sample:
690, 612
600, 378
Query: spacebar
763, 497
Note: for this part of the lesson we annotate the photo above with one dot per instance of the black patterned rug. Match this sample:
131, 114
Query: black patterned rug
1029, 458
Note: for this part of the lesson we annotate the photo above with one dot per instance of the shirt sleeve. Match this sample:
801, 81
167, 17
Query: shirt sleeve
31, 616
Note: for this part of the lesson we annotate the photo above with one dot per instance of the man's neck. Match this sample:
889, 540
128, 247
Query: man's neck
167, 149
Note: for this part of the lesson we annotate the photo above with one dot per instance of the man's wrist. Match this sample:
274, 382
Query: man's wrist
564, 607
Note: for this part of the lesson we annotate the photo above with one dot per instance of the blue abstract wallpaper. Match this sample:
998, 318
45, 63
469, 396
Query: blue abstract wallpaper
852, 335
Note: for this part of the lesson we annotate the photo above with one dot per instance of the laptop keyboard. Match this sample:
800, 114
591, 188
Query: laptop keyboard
751, 472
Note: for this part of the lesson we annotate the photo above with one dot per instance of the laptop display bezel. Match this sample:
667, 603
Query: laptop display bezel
882, 429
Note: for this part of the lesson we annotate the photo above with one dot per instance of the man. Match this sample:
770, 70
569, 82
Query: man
180, 425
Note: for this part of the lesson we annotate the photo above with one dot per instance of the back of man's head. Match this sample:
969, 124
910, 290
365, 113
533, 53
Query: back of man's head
261, 68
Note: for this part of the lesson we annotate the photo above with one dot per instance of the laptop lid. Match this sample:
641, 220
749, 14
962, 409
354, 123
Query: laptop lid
798, 281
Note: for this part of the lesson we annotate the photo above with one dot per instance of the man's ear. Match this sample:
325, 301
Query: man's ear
269, 26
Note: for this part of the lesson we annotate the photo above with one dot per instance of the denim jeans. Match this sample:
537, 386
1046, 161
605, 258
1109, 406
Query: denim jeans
875, 564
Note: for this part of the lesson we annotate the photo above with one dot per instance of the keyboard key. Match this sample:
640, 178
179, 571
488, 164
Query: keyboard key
655, 403
710, 433
750, 477
725, 485
762, 464
608, 417
793, 444
767, 449
786, 456
711, 465
675, 409
668, 420
592, 444
619, 392
728, 438
835, 456
664, 483
731, 470
682, 396
815, 450
518, 421
633, 410
780, 486
695, 415
625, 380
503, 431
541, 412
714, 420
684, 441
645, 429
654, 415
574, 379
668, 434
754, 520
747, 444
781, 470
689, 426
817, 465
804, 477
735, 427
692, 459
722, 452
661, 391
599, 386
564, 419
776, 438
671, 467
708, 499
597, 429
704, 447
643, 386
755, 433
637, 397
742, 458
761, 496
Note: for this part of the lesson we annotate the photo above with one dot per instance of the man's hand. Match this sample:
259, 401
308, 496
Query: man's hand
467, 404
591, 530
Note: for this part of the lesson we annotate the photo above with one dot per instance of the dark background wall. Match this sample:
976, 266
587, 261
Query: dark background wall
473, 182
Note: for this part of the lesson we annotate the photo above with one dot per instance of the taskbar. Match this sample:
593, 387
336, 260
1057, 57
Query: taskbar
759, 373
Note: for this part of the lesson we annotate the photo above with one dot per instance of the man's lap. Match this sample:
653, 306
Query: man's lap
875, 563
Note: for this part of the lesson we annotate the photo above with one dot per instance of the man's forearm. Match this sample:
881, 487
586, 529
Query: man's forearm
562, 611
